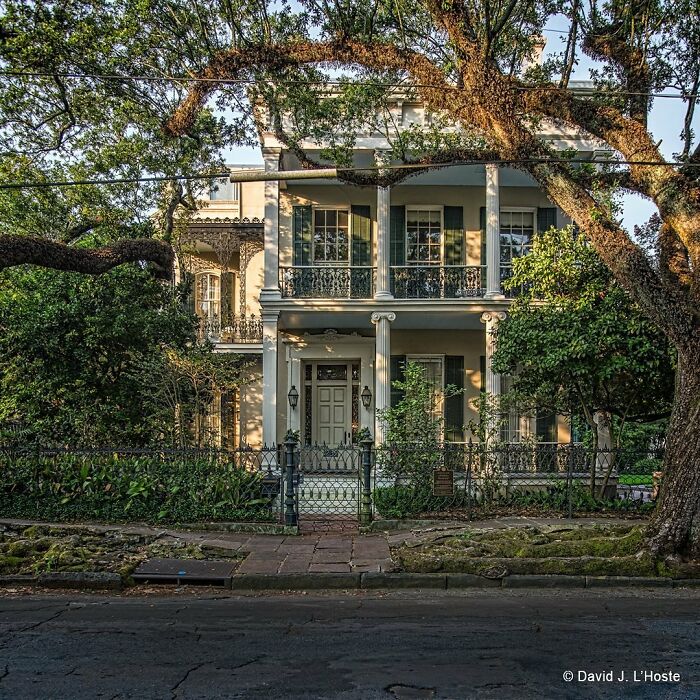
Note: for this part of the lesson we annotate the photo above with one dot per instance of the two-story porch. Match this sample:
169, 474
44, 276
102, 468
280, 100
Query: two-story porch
358, 280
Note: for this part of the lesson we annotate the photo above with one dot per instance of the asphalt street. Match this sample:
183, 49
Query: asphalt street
476, 644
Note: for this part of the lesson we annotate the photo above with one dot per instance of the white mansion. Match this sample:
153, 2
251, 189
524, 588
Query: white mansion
329, 288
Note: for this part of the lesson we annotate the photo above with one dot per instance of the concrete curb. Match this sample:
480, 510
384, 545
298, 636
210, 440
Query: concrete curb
92, 581
81, 580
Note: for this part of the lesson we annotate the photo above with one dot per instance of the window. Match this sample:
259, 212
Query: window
423, 236
222, 189
433, 369
331, 236
208, 295
516, 231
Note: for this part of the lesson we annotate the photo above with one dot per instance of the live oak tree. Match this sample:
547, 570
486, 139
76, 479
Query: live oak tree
464, 59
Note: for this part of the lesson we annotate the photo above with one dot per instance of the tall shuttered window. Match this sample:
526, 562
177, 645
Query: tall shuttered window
517, 228
331, 241
423, 236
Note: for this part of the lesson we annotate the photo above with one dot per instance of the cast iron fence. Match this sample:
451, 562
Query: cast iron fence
347, 483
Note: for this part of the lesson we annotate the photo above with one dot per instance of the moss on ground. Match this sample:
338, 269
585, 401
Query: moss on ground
603, 550
39, 549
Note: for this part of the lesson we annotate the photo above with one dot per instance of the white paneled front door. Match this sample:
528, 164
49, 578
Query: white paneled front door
330, 389
333, 423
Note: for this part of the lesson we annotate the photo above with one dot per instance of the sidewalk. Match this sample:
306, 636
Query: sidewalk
343, 552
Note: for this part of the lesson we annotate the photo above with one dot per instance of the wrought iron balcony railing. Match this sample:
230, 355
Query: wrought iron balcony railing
438, 281
317, 282
231, 329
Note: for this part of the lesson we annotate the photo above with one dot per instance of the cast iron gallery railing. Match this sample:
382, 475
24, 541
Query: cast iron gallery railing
437, 281
317, 282
231, 329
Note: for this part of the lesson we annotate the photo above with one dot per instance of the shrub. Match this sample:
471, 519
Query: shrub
148, 487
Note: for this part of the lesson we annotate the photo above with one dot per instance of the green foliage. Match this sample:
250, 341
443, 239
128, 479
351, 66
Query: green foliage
575, 338
70, 345
413, 428
556, 498
115, 488
403, 501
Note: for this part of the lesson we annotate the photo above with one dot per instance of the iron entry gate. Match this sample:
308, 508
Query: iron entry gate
330, 485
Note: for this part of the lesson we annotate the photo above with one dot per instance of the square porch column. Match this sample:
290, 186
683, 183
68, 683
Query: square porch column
382, 375
493, 248
271, 289
269, 379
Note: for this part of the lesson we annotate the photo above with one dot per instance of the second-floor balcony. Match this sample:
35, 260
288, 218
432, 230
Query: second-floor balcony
231, 328
327, 282
437, 281
406, 282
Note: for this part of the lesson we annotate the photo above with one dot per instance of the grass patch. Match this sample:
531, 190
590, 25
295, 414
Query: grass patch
40, 549
599, 550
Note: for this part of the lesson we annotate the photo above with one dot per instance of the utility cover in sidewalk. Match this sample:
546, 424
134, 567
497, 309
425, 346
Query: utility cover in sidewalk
182, 571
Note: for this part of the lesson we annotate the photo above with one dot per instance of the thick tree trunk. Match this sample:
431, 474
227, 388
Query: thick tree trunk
675, 527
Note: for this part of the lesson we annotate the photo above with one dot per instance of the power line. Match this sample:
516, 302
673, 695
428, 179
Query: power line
330, 83
339, 171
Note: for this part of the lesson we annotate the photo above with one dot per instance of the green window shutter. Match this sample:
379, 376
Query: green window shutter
482, 373
226, 294
397, 235
546, 218
482, 228
361, 235
301, 234
454, 405
454, 235
397, 364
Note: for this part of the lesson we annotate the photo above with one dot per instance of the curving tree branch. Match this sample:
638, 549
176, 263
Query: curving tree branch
24, 250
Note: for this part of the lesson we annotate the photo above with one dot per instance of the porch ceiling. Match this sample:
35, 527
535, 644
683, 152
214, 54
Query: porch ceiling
360, 320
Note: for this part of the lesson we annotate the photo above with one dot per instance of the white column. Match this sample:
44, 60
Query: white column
493, 380
383, 290
493, 252
271, 290
294, 380
382, 374
269, 380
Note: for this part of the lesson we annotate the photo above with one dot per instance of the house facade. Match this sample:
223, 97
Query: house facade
329, 288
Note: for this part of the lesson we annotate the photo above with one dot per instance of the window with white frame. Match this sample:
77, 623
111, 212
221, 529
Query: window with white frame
423, 236
517, 227
331, 236
223, 190
208, 295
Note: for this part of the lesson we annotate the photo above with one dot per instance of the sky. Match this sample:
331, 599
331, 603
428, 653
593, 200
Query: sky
665, 123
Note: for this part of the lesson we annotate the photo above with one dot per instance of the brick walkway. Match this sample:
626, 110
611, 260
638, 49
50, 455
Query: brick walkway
315, 553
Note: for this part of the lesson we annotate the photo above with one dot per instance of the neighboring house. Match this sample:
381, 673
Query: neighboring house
329, 288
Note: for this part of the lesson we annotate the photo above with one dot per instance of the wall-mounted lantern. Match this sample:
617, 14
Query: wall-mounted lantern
293, 397
366, 396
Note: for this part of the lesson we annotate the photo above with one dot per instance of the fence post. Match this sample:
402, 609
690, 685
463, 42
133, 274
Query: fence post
290, 505
570, 465
366, 504
469, 481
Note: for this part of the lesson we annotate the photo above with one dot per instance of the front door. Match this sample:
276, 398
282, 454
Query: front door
333, 427
331, 402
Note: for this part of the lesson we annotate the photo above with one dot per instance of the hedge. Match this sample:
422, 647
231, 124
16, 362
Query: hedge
113, 487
